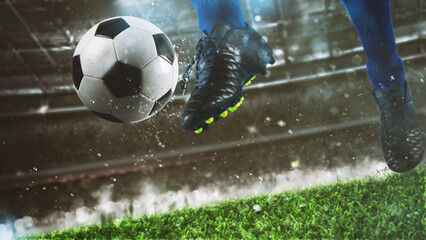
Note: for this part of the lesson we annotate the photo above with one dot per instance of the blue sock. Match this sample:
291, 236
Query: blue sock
373, 23
210, 12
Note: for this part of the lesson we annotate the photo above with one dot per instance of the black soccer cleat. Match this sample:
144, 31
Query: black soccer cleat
403, 139
226, 60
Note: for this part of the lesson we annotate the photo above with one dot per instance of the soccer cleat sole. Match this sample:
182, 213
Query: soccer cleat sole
248, 83
225, 113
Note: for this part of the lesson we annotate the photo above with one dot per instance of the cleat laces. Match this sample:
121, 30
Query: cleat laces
201, 51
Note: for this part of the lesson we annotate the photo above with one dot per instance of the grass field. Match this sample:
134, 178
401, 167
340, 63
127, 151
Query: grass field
392, 207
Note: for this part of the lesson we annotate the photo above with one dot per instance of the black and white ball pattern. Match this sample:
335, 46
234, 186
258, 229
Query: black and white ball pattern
125, 69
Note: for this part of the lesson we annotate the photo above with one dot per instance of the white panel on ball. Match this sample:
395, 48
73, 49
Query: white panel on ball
132, 108
156, 78
85, 40
142, 25
135, 47
175, 74
99, 48
95, 95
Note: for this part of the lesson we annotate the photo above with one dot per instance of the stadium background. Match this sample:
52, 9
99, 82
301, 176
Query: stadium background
313, 111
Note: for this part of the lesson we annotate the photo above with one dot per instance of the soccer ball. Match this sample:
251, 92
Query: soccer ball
125, 69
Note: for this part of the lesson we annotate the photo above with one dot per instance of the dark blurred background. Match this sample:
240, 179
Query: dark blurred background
312, 110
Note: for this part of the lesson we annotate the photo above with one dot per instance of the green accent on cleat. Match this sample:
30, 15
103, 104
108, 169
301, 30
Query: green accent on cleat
224, 114
249, 81
234, 108
210, 120
241, 100
200, 130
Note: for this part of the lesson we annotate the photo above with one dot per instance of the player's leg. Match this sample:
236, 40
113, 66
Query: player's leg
229, 54
403, 140
211, 12
373, 23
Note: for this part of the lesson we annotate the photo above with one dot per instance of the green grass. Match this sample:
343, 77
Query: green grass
388, 208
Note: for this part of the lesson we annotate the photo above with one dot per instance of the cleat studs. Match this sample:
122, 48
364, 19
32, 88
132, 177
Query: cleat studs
240, 102
249, 81
198, 131
224, 114
236, 106
210, 120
